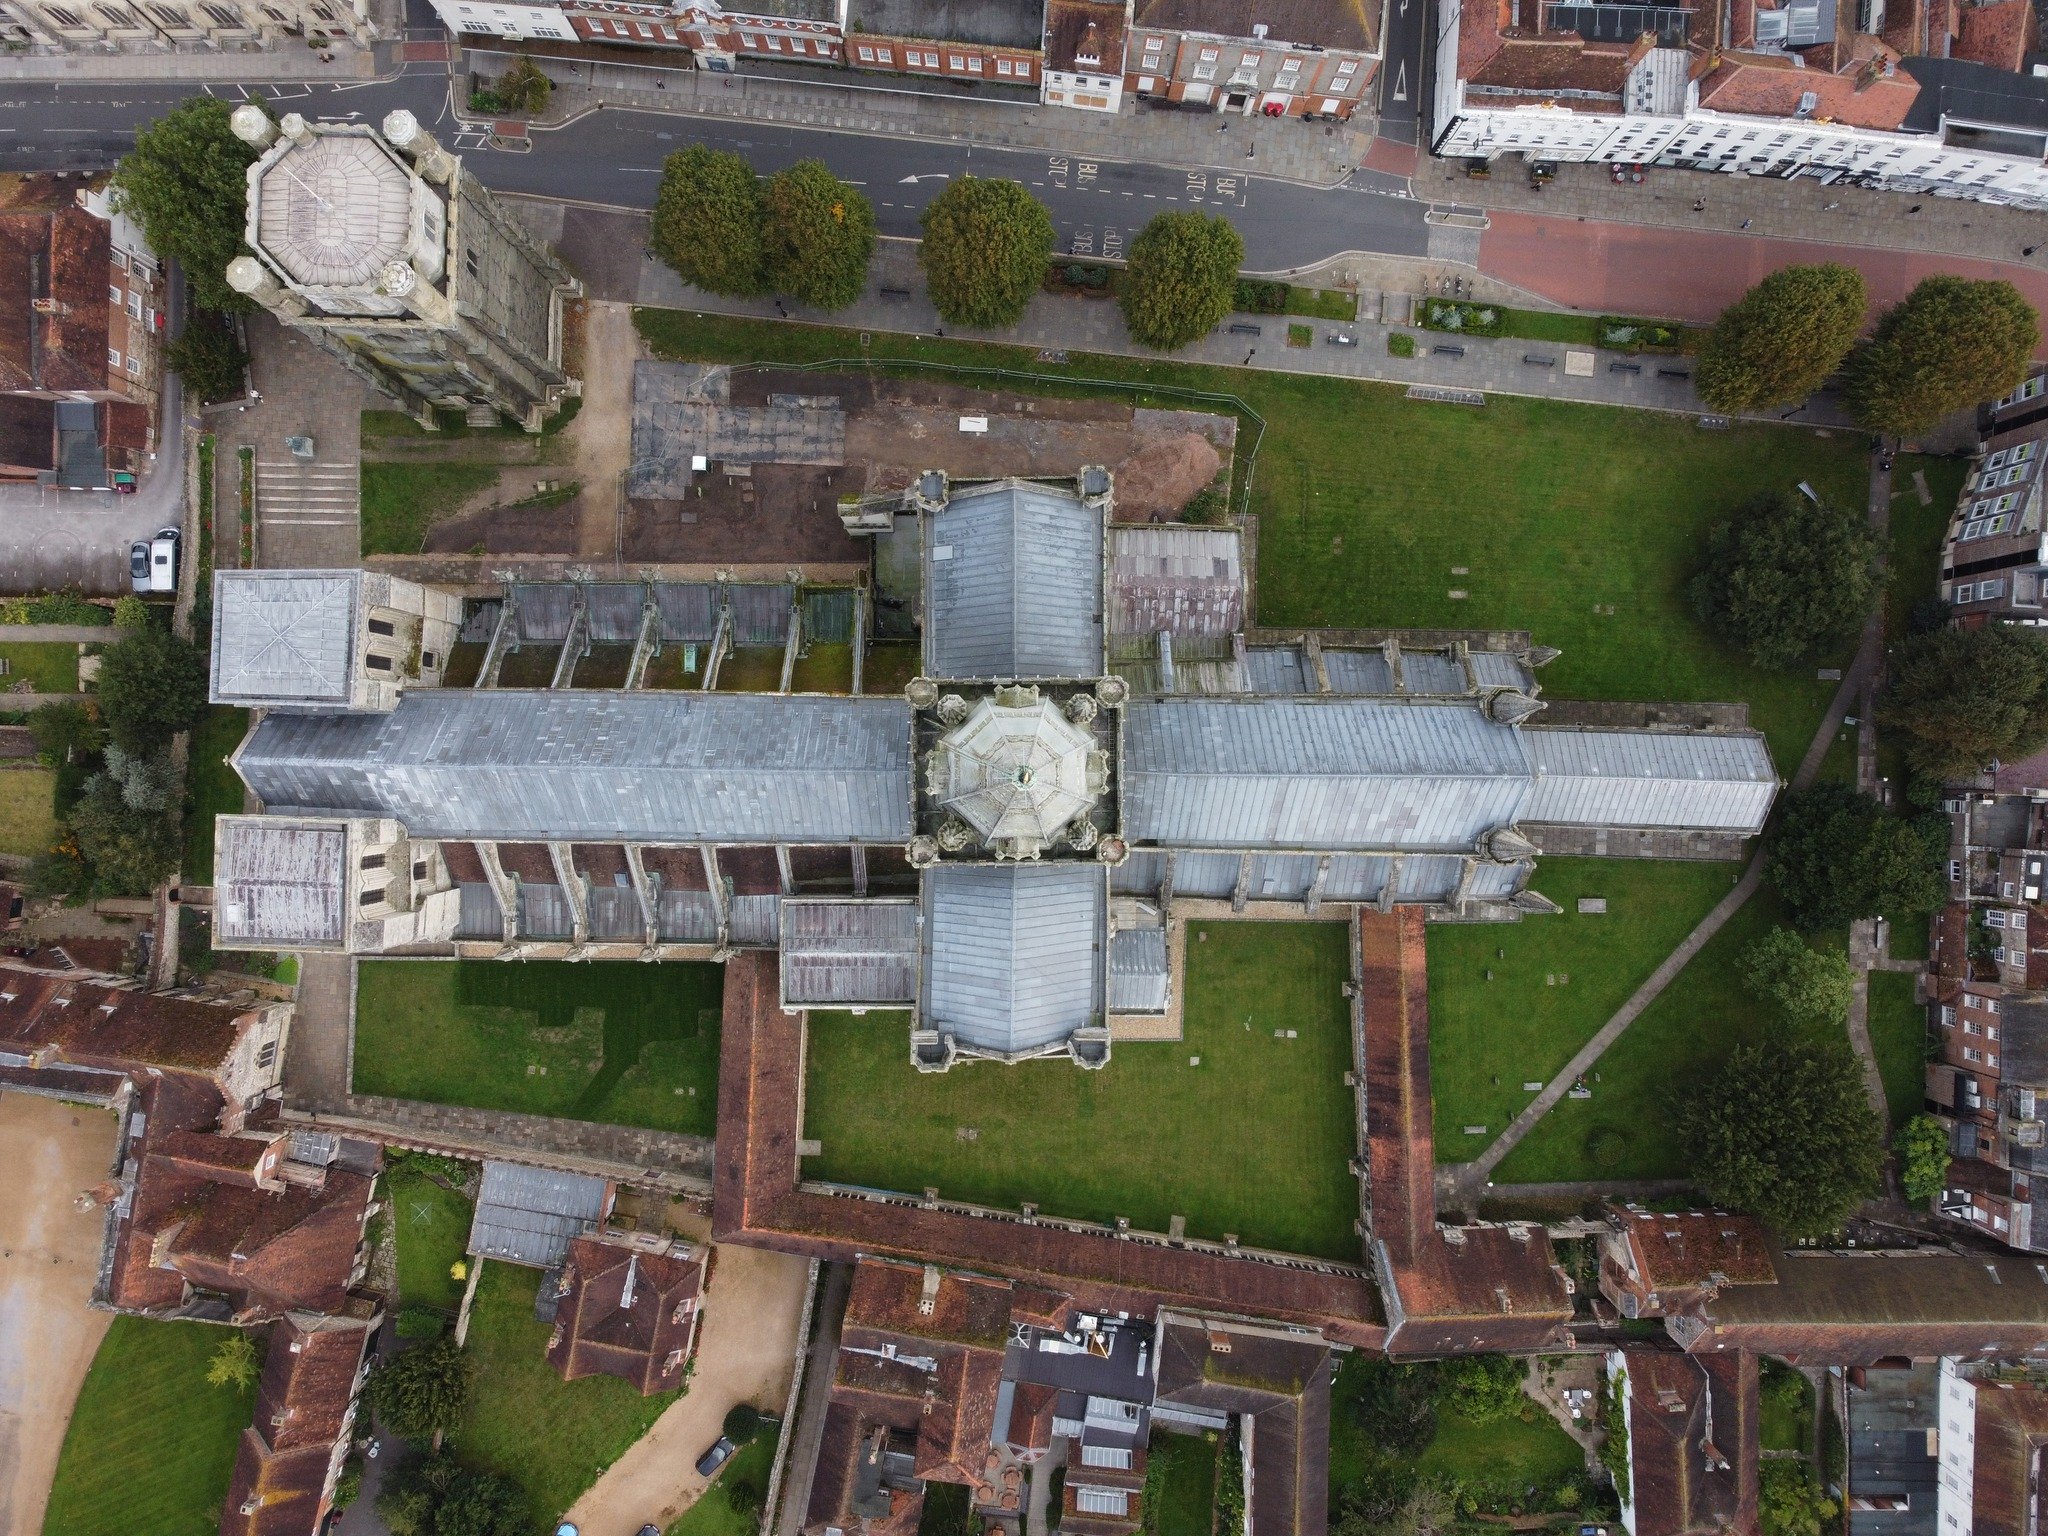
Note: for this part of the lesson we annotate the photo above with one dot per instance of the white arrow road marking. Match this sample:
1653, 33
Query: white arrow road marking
911, 181
1401, 82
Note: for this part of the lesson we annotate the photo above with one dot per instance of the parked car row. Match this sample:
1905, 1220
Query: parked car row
153, 563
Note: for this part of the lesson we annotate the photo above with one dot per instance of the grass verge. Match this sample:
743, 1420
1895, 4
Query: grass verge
431, 1223
48, 666
28, 815
151, 1444
714, 1513
1164, 1137
552, 1437
212, 788
402, 501
1898, 1038
613, 1042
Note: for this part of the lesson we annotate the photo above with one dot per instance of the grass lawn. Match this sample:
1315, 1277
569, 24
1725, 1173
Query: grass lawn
1186, 1483
28, 815
432, 1227
1560, 979
1916, 532
615, 1042
151, 1445
1254, 1141
213, 787
1786, 1423
713, 1514
1511, 1452
552, 1437
1898, 1035
1322, 303
51, 665
402, 501
1625, 1131
1592, 516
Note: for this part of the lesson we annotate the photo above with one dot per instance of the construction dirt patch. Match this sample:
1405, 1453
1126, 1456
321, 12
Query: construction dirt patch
747, 1355
49, 1258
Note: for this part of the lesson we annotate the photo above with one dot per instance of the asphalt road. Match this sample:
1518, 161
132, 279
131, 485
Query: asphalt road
614, 157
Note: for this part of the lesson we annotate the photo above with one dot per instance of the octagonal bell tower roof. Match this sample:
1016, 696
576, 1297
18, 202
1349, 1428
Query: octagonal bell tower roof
1017, 769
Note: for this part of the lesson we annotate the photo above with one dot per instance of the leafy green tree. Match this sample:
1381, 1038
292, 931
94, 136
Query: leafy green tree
1790, 1503
1950, 344
1965, 698
818, 236
147, 783
742, 1423
1839, 856
524, 87
234, 1361
1810, 987
1483, 1387
708, 221
185, 183
435, 1495
1786, 578
152, 686
1393, 1405
209, 358
1180, 277
65, 731
1922, 1146
1785, 1132
987, 243
1779, 342
128, 852
422, 1390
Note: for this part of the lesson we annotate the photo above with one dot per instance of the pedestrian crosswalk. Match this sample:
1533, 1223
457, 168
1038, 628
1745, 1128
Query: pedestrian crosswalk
295, 491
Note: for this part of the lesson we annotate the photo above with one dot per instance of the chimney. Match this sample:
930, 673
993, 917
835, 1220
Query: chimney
928, 1298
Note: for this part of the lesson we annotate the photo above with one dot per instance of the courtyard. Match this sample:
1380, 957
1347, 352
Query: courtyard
618, 1043
1236, 1127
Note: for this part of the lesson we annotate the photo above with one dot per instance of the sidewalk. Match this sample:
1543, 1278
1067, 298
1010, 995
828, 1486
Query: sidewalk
857, 102
1801, 209
291, 60
1504, 366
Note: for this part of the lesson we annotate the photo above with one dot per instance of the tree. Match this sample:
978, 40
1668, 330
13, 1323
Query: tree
1964, 698
185, 183
1790, 1503
1950, 344
208, 356
1839, 856
1483, 1387
986, 246
147, 783
128, 852
1809, 987
435, 1495
817, 238
1778, 343
1787, 577
422, 1390
524, 87
742, 1423
708, 221
1922, 1146
152, 686
1394, 1405
64, 732
1180, 278
1785, 1132
234, 1361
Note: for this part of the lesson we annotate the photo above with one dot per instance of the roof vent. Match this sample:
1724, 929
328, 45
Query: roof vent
1809, 103
928, 1298
1259, 30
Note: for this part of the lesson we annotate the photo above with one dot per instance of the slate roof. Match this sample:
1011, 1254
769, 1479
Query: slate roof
1013, 583
1316, 773
1014, 955
284, 637
836, 953
279, 882
1649, 779
530, 1215
599, 767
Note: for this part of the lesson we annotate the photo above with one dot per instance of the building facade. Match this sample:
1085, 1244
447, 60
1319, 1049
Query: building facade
391, 258
1257, 60
1742, 88
181, 26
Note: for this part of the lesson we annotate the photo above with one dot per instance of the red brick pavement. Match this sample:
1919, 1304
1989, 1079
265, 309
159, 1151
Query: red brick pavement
1685, 274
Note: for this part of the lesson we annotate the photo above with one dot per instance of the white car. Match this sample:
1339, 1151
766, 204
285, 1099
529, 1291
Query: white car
163, 561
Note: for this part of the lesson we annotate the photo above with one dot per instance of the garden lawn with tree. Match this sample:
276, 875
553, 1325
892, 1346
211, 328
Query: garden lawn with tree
1166, 1137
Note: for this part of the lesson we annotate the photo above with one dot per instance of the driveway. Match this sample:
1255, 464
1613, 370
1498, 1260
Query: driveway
49, 1258
747, 1354
52, 539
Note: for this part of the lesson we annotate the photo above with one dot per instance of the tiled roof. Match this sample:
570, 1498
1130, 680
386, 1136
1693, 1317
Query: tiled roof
1772, 85
1393, 988
1347, 24
1681, 1249
757, 1199
966, 1309
60, 257
308, 1381
2012, 1428
645, 1338
89, 1023
1998, 34
275, 1493
1693, 1443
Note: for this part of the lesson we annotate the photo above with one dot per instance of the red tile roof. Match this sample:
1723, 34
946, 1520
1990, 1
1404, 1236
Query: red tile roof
1999, 34
90, 1024
59, 258
1772, 85
1393, 990
1694, 1448
303, 1410
597, 1332
1685, 1250
2012, 1432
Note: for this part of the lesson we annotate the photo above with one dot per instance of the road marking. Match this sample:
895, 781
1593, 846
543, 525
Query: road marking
1401, 82
911, 181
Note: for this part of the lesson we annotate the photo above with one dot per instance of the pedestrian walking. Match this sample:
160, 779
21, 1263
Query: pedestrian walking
1746, 223
2029, 250
1248, 358
1699, 205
